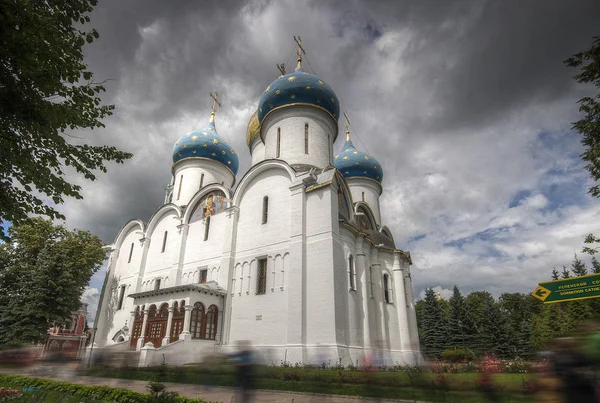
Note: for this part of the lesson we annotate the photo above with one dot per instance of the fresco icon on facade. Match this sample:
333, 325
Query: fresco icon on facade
210, 204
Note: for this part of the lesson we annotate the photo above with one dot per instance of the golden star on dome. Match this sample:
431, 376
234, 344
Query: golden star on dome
367, 158
321, 83
377, 177
193, 151
337, 156
223, 152
204, 146
374, 166
319, 100
356, 164
355, 152
347, 172
214, 154
185, 146
292, 79
306, 73
292, 96
365, 172
205, 133
177, 142
233, 152
179, 154
260, 109
307, 88
215, 141
270, 106
345, 158
228, 162
332, 101
268, 88
195, 138
277, 92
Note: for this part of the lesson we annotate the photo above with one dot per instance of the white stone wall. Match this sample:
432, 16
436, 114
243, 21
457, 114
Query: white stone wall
257, 151
371, 190
291, 122
191, 172
262, 319
159, 264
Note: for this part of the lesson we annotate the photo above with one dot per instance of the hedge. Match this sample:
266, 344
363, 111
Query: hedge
91, 393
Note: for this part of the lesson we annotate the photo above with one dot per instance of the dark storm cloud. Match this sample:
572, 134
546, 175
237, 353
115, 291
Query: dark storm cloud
432, 88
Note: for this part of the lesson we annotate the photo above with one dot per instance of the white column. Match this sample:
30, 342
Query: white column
140, 342
130, 324
400, 302
167, 337
412, 314
185, 334
296, 335
228, 266
378, 301
362, 267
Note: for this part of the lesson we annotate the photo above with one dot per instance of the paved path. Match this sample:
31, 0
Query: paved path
213, 394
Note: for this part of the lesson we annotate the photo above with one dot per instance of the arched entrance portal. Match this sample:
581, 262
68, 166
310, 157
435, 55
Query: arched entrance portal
136, 330
178, 319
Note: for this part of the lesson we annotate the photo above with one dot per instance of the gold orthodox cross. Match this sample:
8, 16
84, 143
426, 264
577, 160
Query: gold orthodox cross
300, 51
347, 126
216, 102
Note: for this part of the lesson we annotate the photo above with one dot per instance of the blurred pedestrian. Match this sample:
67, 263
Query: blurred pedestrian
488, 366
573, 369
245, 362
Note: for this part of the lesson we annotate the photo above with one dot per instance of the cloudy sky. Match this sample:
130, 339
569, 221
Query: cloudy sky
467, 105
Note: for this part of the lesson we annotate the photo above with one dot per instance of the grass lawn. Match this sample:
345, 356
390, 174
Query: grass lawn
462, 387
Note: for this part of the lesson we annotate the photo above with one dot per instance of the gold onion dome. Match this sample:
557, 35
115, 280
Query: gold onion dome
253, 130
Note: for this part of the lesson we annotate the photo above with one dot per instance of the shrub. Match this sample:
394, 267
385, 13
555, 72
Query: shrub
88, 393
458, 355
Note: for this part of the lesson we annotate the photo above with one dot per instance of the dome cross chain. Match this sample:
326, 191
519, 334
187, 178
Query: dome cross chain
216, 102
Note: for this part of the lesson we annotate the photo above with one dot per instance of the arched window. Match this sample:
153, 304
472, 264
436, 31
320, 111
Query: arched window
206, 228
387, 291
130, 253
178, 319
164, 242
164, 311
121, 296
211, 322
196, 321
363, 196
265, 212
306, 138
152, 311
351, 272
201, 181
278, 142
180, 182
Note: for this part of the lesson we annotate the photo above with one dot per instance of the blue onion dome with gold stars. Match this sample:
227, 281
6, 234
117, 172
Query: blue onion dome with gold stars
298, 88
356, 164
207, 144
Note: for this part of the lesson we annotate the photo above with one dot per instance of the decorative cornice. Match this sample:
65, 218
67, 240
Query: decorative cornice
203, 288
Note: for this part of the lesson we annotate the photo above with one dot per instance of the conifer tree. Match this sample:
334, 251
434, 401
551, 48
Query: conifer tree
460, 325
566, 273
434, 326
555, 274
595, 265
495, 332
578, 267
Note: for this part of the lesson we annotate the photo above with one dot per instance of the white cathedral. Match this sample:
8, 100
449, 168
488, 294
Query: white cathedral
292, 256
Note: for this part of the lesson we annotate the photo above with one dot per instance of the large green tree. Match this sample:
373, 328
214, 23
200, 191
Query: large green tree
588, 64
434, 326
46, 92
44, 270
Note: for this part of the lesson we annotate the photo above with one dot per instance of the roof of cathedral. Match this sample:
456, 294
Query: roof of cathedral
298, 88
353, 163
207, 144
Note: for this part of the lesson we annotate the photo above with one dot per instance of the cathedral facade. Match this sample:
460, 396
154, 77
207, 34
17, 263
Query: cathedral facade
292, 256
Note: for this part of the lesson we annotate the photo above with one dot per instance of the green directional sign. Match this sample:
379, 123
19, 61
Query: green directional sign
569, 289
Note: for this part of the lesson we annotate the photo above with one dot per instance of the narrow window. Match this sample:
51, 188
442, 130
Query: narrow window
164, 245
203, 276
265, 214
121, 296
278, 142
130, 253
261, 277
157, 284
371, 281
206, 228
363, 196
179, 191
386, 288
306, 138
351, 272
201, 180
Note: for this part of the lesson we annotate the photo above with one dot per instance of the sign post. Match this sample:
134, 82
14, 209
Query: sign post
569, 289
